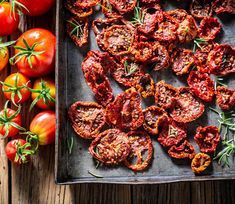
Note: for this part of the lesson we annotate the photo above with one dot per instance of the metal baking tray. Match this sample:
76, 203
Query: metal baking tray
71, 86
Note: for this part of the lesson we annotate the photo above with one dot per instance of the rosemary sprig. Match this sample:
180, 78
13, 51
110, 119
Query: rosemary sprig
77, 28
197, 42
70, 144
138, 18
219, 81
130, 68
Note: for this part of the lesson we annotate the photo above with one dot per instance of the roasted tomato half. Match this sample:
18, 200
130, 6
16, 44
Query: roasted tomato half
178, 14
201, 8
225, 97
142, 51
125, 111
111, 147
87, 118
76, 10
153, 116
187, 108
200, 163
145, 86
182, 151
86, 3
207, 138
123, 6
170, 132
165, 94
223, 6
201, 85
182, 60
141, 151
221, 60
209, 28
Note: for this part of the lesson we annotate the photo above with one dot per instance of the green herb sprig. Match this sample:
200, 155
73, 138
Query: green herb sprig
138, 18
197, 42
130, 68
77, 28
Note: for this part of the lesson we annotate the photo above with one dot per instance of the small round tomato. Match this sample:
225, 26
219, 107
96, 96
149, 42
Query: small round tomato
9, 21
43, 93
36, 7
43, 127
18, 151
35, 52
15, 88
4, 57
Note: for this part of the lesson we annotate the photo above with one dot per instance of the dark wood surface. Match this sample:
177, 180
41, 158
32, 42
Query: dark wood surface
34, 182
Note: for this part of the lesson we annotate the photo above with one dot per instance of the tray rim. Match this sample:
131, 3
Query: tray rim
122, 180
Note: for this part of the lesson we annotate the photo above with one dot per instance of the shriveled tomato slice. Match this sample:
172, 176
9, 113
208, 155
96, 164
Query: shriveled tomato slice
153, 116
145, 86
141, 151
76, 10
87, 118
142, 51
170, 132
111, 147
187, 108
225, 97
223, 6
201, 8
86, 3
123, 6
182, 151
125, 111
201, 85
207, 138
200, 163
178, 14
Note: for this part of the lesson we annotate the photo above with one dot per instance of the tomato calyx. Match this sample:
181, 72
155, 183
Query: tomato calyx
23, 152
27, 52
32, 139
44, 94
17, 5
3, 45
6, 120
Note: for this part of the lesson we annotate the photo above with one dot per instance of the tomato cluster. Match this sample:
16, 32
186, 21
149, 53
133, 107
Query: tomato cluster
34, 57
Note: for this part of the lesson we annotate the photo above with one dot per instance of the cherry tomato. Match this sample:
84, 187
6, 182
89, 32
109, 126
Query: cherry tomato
14, 88
9, 21
43, 93
4, 57
43, 127
36, 7
35, 52
18, 151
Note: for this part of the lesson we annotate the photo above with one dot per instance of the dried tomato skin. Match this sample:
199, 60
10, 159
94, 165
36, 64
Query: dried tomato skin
221, 60
150, 1
146, 86
182, 151
201, 85
200, 163
78, 11
225, 97
90, 115
170, 132
110, 147
79, 41
165, 95
125, 111
178, 14
139, 143
123, 6
86, 3
207, 138
200, 9
187, 108
182, 60
209, 28
153, 117
223, 6
142, 51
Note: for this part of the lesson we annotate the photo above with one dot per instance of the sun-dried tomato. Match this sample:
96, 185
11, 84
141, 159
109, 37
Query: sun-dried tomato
201, 85
145, 86
125, 111
225, 97
152, 16
86, 3
142, 51
221, 60
207, 138
182, 60
128, 73
76, 10
224, 6
170, 133
87, 118
153, 117
165, 94
182, 151
141, 151
187, 108
110, 147
201, 8
123, 6
187, 30
178, 14
209, 28
77, 29
108, 10
150, 1
200, 163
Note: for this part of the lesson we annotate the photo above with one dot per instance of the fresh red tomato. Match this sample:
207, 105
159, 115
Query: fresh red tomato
35, 52
43, 93
9, 21
43, 127
36, 7
14, 88
18, 151
10, 122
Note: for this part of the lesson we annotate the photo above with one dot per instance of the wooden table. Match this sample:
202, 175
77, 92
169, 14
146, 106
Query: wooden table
34, 182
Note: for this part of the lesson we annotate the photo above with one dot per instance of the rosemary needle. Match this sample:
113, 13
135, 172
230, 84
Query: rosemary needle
95, 175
